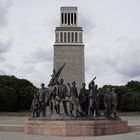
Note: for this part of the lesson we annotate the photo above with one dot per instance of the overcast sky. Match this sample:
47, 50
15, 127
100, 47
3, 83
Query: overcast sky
111, 38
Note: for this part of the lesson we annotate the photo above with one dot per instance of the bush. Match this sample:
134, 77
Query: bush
130, 101
8, 99
15, 94
128, 95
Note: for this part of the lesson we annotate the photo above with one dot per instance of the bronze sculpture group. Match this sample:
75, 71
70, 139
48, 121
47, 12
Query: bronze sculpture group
85, 103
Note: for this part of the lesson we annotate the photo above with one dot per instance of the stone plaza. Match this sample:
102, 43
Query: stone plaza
16, 120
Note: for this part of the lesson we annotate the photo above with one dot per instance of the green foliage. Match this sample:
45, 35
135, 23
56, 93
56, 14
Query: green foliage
133, 86
7, 99
130, 101
15, 94
128, 95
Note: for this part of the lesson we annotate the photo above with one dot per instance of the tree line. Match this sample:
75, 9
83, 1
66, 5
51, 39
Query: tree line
128, 96
17, 94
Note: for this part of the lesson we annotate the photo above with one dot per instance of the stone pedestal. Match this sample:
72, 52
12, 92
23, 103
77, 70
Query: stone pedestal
75, 127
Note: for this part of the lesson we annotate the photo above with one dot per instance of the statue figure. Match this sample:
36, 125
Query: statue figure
97, 93
41, 97
52, 98
53, 88
56, 75
114, 102
83, 99
35, 106
61, 95
73, 99
93, 99
108, 103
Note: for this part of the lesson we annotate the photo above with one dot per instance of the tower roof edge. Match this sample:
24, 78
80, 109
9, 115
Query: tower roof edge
68, 8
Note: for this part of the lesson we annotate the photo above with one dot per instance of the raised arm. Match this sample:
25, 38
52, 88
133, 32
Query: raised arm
92, 80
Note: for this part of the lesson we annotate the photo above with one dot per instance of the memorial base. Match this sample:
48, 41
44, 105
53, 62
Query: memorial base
75, 127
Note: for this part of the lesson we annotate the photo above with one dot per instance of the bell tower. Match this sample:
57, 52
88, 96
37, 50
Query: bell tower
69, 47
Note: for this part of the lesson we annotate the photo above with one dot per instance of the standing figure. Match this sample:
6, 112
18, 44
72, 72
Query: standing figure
41, 97
61, 95
108, 103
73, 99
35, 106
97, 93
52, 98
114, 102
93, 99
53, 87
83, 99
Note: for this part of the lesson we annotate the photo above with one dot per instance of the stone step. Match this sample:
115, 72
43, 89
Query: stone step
11, 128
134, 128
75, 127
20, 128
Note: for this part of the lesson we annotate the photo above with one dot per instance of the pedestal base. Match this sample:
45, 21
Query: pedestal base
75, 127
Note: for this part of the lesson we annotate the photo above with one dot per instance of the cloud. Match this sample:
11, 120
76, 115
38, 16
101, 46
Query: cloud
110, 38
119, 63
2, 58
2, 72
7, 68
87, 23
129, 61
26, 69
4, 6
41, 55
5, 47
130, 71
11, 67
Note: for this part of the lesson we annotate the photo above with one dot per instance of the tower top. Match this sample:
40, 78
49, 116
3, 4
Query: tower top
68, 16
69, 33
68, 8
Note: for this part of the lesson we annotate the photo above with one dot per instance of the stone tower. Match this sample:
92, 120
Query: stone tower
69, 47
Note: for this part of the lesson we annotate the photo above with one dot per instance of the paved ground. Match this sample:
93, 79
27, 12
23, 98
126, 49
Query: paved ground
133, 120
21, 136
12, 120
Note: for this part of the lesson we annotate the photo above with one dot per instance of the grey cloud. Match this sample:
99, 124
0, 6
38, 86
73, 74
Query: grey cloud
39, 56
130, 67
124, 60
121, 39
2, 58
26, 69
10, 66
5, 47
4, 6
128, 64
2, 72
130, 70
99, 61
87, 23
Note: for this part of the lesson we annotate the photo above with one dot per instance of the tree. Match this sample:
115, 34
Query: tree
128, 95
15, 94
130, 101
